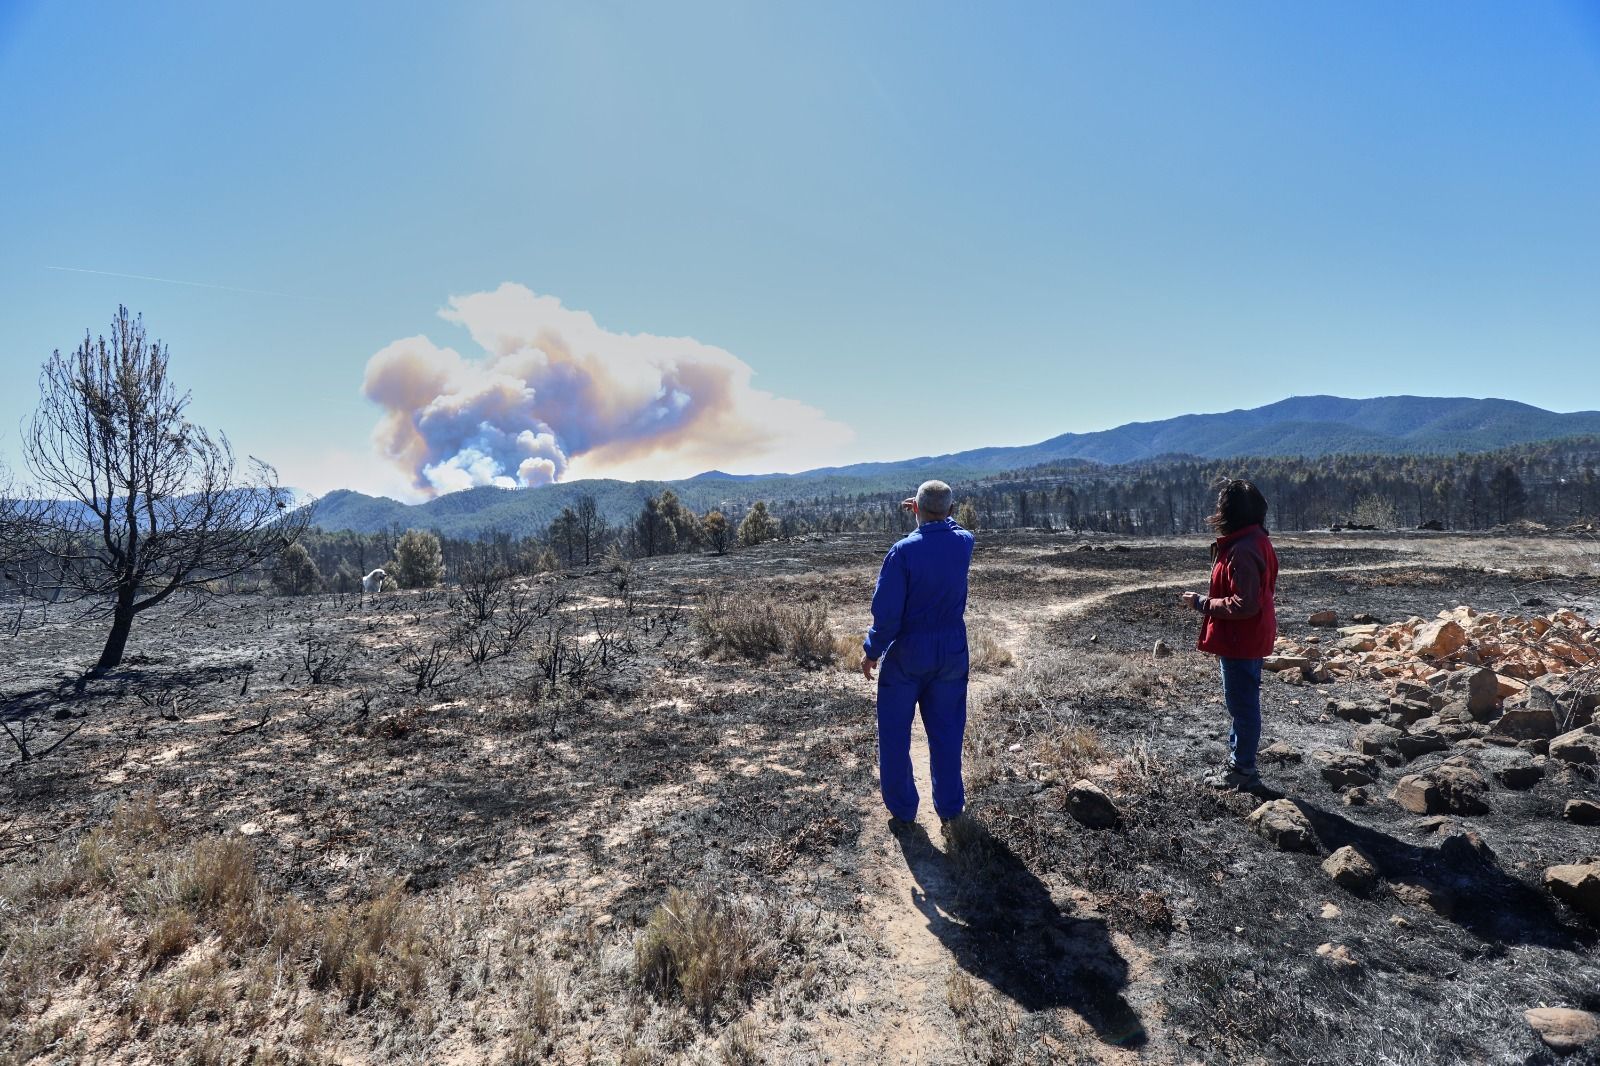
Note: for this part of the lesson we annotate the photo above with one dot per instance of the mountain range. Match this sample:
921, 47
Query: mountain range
1309, 426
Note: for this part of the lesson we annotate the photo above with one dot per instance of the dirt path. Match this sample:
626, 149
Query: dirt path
1061, 608
921, 1028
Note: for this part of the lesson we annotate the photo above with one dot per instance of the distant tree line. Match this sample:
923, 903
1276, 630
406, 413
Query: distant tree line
1555, 485
578, 536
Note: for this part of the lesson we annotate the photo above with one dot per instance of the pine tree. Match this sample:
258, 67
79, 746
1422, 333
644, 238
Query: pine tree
654, 529
1508, 495
758, 526
418, 559
565, 535
296, 573
717, 531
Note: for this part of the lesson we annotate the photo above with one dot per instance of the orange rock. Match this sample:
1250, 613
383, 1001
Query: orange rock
1510, 686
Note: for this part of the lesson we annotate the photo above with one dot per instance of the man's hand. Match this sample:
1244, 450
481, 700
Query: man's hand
1188, 599
867, 666
909, 504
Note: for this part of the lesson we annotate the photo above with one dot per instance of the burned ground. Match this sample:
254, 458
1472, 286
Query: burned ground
275, 839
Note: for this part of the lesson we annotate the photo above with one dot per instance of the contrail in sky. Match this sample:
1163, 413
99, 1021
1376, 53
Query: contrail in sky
176, 281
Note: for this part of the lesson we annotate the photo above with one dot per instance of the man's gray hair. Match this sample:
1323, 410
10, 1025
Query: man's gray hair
935, 498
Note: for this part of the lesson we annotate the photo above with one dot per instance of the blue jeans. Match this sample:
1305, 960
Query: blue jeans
935, 679
1241, 691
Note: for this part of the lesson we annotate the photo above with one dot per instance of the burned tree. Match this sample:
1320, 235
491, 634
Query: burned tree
139, 503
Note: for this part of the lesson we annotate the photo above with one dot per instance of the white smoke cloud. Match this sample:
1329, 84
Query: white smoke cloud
552, 388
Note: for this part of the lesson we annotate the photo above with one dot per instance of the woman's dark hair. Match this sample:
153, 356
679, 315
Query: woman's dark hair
1239, 505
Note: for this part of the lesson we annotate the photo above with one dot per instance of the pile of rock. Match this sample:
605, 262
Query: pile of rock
1519, 648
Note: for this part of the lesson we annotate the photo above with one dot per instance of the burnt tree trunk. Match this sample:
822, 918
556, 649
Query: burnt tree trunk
117, 639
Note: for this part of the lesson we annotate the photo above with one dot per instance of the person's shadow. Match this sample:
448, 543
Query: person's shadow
1000, 924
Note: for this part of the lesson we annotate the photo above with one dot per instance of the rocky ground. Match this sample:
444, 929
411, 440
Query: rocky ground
642, 827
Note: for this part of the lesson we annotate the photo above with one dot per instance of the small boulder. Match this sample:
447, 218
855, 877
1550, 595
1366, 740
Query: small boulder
1413, 711
1438, 639
1351, 870
1465, 847
1341, 769
1577, 884
1527, 723
1282, 822
1436, 823
1421, 892
1360, 796
1479, 688
1351, 711
1373, 739
1581, 812
1323, 619
1420, 742
1564, 1030
1452, 787
1162, 650
1521, 776
1412, 690
1283, 663
1279, 751
1089, 804
1582, 745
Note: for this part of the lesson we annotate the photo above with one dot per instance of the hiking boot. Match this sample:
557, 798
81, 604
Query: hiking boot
898, 825
1233, 779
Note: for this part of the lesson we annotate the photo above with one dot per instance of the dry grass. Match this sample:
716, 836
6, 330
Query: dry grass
986, 654
985, 651
974, 853
372, 947
848, 652
740, 1045
208, 939
703, 951
748, 629
1070, 752
988, 1027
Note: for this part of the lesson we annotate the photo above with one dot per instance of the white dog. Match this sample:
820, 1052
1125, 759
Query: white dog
373, 582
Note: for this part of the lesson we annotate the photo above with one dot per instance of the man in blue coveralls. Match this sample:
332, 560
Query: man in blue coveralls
919, 632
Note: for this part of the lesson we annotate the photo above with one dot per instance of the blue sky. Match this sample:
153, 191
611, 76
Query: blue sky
939, 225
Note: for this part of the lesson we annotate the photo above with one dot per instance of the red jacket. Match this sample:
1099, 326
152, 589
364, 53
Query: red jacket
1241, 621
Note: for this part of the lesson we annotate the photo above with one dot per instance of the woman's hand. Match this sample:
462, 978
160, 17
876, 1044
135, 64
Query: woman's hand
1190, 600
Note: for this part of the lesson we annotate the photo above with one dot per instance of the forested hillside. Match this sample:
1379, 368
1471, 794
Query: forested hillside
1415, 432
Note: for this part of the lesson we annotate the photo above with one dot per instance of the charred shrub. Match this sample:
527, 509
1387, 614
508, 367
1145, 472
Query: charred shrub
429, 664
483, 587
323, 658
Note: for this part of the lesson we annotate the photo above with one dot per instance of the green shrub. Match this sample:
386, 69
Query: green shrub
419, 561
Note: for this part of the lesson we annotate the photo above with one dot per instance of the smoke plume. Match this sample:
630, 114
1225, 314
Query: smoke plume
552, 388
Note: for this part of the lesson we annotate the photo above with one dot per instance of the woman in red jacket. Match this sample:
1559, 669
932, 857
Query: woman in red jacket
1241, 622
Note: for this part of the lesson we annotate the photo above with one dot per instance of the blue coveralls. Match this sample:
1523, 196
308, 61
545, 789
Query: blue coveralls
919, 638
